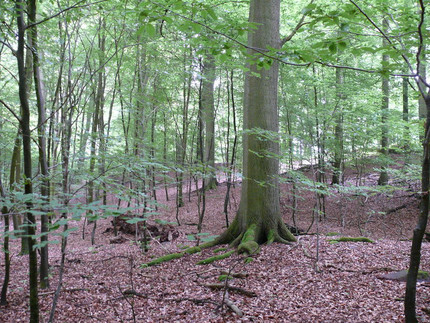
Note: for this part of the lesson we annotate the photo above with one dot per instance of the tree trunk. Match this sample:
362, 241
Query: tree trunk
44, 190
14, 178
5, 214
419, 231
383, 177
259, 210
406, 132
208, 118
26, 143
338, 130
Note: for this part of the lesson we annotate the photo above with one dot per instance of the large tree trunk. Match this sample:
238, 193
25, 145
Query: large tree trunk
259, 211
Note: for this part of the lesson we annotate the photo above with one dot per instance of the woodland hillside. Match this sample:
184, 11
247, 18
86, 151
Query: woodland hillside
188, 160
314, 280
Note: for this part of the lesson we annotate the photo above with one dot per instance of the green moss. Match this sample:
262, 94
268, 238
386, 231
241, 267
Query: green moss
249, 247
351, 239
222, 278
248, 260
209, 244
192, 250
271, 236
332, 234
423, 275
165, 258
220, 249
215, 258
249, 235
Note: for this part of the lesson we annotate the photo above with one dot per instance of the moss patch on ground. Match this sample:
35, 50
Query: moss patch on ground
351, 239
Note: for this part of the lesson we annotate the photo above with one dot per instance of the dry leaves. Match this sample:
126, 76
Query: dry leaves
104, 283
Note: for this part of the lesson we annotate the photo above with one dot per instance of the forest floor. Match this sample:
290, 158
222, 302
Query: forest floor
313, 280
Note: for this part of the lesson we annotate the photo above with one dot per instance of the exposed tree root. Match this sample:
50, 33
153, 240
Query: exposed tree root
215, 258
247, 241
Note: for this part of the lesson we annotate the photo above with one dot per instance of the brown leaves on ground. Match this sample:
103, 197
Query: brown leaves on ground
310, 281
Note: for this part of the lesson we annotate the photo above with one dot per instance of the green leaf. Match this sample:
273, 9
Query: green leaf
150, 30
140, 30
197, 28
45, 243
344, 27
163, 222
135, 220
308, 8
211, 13
333, 48
342, 45
191, 237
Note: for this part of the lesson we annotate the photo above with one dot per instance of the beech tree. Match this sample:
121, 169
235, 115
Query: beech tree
258, 219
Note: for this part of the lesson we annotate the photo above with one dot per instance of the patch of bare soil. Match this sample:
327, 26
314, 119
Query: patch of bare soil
312, 280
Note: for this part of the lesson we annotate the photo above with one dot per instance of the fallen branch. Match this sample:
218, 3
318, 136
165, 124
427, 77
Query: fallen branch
70, 290
132, 292
398, 208
232, 288
363, 272
233, 307
235, 275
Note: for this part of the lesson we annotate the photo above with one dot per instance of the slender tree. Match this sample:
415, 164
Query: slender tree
208, 118
30, 219
383, 177
43, 162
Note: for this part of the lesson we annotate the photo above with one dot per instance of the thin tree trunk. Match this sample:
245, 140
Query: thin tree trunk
338, 131
208, 118
230, 92
406, 132
5, 213
383, 177
40, 96
26, 142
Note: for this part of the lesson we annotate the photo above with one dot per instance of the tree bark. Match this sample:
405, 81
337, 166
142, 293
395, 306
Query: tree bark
338, 130
383, 177
44, 190
415, 258
5, 214
259, 219
26, 143
208, 118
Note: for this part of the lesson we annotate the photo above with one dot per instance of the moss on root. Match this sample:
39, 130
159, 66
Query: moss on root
249, 247
247, 241
165, 258
193, 250
219, 250
215, 258
271, 237
172, 256
351, 239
